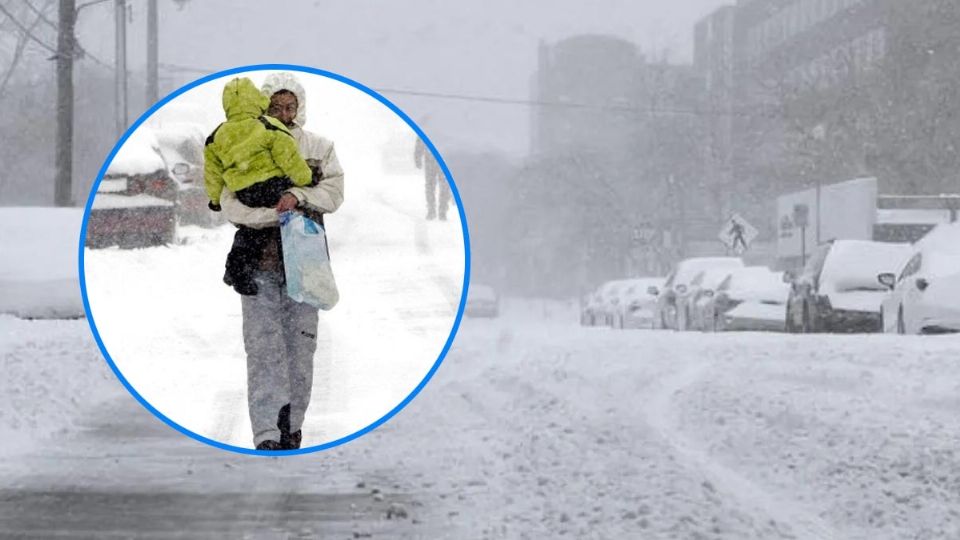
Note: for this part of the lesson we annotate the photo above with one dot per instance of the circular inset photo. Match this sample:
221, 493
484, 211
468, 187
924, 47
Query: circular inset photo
274, 259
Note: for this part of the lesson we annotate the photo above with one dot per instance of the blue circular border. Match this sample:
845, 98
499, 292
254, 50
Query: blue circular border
329, 75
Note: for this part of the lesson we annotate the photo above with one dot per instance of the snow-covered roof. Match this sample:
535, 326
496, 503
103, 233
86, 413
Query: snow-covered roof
912, 216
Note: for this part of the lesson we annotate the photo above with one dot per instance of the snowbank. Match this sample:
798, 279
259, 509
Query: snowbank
51, 371
38, 262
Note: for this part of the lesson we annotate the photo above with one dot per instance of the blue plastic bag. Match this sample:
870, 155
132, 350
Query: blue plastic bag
306, 261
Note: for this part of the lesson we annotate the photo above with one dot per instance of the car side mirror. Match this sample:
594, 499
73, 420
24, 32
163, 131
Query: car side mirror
708, 293
181, 168
653, 291
887, 279
681, 288
922, 284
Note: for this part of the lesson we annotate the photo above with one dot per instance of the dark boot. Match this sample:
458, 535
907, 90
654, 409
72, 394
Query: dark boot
288, 441
293, 441
269, 446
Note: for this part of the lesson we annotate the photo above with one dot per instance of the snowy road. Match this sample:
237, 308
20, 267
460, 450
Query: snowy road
174, 329
537, 428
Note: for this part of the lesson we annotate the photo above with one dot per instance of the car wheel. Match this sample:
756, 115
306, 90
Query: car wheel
901, 324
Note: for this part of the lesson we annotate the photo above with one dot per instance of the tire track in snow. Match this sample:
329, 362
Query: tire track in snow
659, 416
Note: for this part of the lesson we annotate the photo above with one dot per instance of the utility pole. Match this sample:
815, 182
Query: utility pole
153, 89
120, 16
63, 188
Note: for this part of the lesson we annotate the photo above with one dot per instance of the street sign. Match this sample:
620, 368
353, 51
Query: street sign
737, 233
801, 215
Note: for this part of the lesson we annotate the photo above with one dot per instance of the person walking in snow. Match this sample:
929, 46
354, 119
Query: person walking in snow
435, 184
279, 334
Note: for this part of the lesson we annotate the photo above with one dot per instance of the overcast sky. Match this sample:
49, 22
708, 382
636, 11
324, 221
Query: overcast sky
477, 47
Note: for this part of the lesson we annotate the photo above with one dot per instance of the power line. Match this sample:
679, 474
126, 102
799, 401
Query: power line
83, 52
26, 30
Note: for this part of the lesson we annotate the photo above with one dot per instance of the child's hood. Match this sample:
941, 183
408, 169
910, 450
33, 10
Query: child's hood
242, 99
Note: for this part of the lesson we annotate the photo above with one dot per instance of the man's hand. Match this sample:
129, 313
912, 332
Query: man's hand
213, 206
287, 202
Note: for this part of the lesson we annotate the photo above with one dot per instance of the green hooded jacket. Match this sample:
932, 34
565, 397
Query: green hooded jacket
249, 147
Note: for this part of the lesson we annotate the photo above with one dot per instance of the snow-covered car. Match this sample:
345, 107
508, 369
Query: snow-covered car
482, 301
677, 287
180, 144
752, 298
38, 268
925, 297
838, 290
637, 303
597, 308
692, 306
135, 203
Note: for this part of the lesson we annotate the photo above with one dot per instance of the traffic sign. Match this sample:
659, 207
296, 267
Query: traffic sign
737, 233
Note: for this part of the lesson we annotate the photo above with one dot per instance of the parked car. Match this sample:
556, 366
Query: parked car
925, 297
637, 303
482, 301
752, 299
135, 203
598, 308
677, 286
838, 290
180, 144
702, 288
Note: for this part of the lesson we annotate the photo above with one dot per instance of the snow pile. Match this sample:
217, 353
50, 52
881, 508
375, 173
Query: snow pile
52, 372
38, 262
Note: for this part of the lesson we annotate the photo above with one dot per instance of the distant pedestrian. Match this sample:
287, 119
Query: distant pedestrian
436, 188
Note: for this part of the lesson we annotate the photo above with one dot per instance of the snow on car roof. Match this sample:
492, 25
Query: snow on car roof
138, 155
110, 200
757, 283
942, 238
855, 264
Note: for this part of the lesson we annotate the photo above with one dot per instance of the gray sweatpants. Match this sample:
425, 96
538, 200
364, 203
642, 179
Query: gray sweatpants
280, 337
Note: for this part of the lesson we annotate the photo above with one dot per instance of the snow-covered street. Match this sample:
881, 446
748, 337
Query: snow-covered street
174, 329
535, 427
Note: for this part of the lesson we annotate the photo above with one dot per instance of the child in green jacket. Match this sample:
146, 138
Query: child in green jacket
250, 154
257, 158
